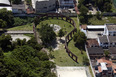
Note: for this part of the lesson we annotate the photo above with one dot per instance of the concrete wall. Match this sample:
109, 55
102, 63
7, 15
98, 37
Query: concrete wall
106, 31
44, 6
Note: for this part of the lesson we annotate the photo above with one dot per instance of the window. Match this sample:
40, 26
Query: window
105, 43
45, 7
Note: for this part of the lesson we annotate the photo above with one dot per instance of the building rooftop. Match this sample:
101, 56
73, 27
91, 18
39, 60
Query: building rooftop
103, 66
5, 2
112, 39
111, 27
95, 26
92, 42
95, 50
103, 39
104, 60
112, 50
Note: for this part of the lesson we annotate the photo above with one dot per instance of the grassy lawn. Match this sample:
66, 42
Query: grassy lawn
23, 27
64, 25
75, 19
77, 52
62, 58
95, 21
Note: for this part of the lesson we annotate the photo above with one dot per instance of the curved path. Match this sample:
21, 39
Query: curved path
68, 36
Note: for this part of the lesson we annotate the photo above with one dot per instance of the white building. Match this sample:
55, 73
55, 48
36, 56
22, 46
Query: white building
95, 27
5, 4
110, 29
42, 6
109, 36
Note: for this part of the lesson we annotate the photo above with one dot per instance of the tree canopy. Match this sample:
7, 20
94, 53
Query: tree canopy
3, 24
83, 10
5, 42
61, 33
85, 61
16, 1
6, 18
106, 4
25, 60
79, 38
47, 34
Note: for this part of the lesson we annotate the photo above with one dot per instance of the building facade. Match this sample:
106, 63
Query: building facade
20, 8
42, 6
108, 38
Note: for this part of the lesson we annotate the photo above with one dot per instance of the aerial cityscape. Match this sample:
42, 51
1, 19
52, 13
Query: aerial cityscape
57, 38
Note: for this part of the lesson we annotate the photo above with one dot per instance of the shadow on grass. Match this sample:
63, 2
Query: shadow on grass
53, 44
80, 46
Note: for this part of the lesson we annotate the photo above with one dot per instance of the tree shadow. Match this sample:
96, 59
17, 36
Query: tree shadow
2, 32
80, 46
53, 44
62, 41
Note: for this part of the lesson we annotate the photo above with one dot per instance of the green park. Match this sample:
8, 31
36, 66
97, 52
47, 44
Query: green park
29, 56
